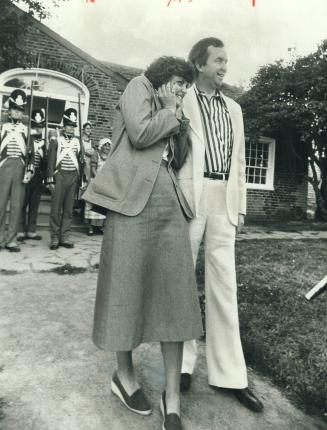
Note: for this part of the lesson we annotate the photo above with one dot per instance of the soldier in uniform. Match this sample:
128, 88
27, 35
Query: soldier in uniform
62, 178
13, 163
33, 190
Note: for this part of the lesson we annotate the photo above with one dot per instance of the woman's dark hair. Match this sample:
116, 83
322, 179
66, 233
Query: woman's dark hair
86, 124
161, 70
199, 52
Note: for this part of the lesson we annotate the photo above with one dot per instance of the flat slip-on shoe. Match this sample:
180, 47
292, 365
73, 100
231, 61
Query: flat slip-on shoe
185, 383
137, 402
171, 421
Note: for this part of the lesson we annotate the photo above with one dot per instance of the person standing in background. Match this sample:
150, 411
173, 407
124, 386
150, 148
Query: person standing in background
88, 149
33, 190
62, 179
95, 219
15, 167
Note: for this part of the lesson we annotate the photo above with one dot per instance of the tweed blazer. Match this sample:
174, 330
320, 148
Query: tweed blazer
190, 176
142, 130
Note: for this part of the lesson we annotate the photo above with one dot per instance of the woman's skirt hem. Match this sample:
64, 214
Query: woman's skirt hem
134, 345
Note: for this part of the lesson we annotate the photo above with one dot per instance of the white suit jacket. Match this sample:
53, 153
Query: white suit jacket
191, 175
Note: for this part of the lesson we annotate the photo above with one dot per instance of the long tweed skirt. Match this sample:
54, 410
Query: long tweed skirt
146, 288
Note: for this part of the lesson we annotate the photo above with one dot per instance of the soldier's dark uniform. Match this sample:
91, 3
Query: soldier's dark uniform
63, 174
13, 156
33, 190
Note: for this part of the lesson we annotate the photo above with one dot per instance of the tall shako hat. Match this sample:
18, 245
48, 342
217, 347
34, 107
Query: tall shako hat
70, 117
37, 118
17, 100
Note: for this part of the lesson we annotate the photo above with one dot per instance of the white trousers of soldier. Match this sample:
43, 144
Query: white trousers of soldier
11, 190
225, 359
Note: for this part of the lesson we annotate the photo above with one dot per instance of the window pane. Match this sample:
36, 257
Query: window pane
257, 162
44, 83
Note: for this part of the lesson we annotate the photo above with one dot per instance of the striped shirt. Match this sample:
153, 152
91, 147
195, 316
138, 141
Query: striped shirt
13, 149
13, 139
39, 145
37, 160
72, 143
218, 131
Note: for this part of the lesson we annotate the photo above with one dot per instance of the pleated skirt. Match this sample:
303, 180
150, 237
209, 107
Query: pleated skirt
146, 289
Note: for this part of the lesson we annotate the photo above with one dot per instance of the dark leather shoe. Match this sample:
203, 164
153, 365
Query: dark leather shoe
54, 244
171, 421
137, 402
248, 399
185, 383
13, 248
66, 244
33, 237
90, 231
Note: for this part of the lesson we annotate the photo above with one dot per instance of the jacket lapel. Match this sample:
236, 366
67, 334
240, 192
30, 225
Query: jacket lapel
192, 112
234, 116
234, 119
156, 101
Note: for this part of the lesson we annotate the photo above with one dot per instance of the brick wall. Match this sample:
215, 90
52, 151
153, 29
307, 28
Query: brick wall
288, 200
104, 89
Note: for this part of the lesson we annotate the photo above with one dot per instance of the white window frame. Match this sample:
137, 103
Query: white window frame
33, 72
269, 185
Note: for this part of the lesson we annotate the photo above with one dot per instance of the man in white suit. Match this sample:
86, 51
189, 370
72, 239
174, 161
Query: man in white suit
213, 181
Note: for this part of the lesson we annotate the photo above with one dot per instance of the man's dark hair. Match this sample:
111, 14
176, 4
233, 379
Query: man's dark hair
199, 53
161, 70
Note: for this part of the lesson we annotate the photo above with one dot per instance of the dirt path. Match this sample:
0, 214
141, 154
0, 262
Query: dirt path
36, 256
53, 378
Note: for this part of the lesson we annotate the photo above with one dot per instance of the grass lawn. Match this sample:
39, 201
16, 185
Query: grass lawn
283, 335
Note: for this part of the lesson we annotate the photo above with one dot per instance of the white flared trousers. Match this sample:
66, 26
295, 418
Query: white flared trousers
225, 359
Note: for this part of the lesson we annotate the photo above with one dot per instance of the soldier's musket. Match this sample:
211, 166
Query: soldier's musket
317, 289
46, 131
29, 149
82, 179
46, 128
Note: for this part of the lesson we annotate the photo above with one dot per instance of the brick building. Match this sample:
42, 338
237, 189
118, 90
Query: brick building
282, 192
62, 74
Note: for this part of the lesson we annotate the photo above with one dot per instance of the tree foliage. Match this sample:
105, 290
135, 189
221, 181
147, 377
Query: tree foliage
14, 24
289, 101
